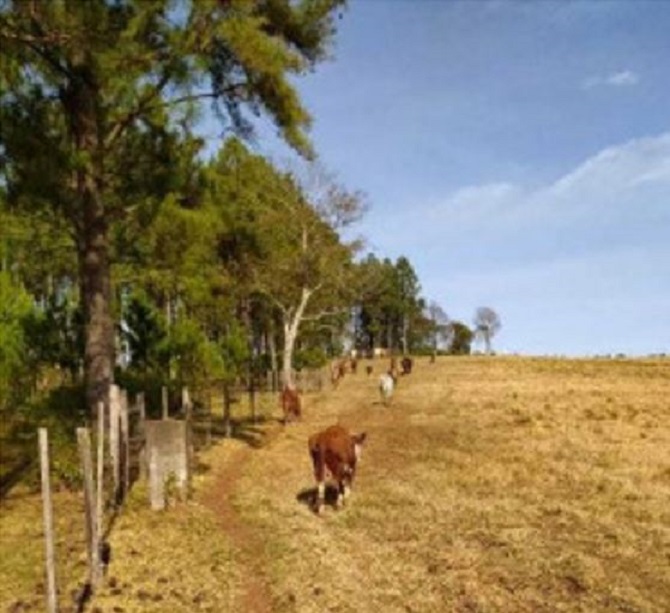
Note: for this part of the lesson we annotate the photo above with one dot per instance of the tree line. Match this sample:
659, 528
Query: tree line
126, 255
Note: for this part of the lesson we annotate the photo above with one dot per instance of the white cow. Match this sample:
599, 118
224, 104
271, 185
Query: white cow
386, 386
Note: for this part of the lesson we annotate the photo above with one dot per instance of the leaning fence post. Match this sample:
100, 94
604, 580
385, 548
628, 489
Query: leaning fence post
93, 545
47, 509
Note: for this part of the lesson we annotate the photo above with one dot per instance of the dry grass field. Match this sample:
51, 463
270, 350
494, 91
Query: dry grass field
489, 484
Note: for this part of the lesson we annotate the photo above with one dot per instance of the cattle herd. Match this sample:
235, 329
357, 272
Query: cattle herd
335, 451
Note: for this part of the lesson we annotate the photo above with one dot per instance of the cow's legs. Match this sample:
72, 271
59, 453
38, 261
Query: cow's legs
320, 496
340, 494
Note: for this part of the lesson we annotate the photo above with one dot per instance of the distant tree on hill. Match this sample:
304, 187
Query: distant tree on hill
391, 310
440, 330
487, 324
461, 339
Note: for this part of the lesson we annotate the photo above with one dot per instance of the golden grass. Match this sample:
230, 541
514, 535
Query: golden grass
22, 574
489, 484
176, 560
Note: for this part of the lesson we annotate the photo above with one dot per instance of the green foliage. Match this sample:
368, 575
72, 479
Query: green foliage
16, 313
461, 339
310, 357
391, 310
61, 413
98, 102
56, 335
144, 333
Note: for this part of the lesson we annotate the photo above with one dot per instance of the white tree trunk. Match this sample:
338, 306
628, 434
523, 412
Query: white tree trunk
292, 321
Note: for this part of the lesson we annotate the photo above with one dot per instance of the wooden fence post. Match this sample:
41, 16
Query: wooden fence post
165, 402
47, 512
208, 432
114, 417
99, 501
226, 410
141, 407
92, 542
252, 393
125, 442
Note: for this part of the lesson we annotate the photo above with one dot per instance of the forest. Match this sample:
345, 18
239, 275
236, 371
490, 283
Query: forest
133, 252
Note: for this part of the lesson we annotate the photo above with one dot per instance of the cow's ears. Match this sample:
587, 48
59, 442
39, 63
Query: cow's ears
359, 439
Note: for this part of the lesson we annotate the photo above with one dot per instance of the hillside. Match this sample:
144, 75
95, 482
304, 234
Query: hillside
501, 484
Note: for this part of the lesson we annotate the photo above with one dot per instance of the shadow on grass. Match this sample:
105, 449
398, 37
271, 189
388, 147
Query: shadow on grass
254, 432
15, 475
307, 496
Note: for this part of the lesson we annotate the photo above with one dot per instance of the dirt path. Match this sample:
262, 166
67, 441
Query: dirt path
256, 595
277, 468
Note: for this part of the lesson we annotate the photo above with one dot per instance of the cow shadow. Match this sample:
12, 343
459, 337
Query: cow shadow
307, 496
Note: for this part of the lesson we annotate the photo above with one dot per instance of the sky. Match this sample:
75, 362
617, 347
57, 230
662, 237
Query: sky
518, 154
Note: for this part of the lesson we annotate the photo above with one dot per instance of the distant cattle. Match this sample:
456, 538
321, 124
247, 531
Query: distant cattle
386, 386
337, 372
335, 453
368, 369
394, 371
406, 364
353, 364
291, 404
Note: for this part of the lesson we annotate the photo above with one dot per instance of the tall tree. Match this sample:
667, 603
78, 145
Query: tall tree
390, 302
82, 84
486, 325
308, 275
408, 304
439, 325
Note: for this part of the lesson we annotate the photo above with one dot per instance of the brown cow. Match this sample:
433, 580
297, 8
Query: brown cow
334, 453
406, 365
291, 404
338, 370
369, 369
393, 370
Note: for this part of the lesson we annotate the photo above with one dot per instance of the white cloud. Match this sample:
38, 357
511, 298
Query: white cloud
618, 179
622, 78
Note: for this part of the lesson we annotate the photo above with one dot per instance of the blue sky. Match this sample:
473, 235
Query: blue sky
518, 153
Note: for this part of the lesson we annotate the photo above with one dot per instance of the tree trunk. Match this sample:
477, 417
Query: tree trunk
291, 326
96, 297
404, 334
80, 99
290, 334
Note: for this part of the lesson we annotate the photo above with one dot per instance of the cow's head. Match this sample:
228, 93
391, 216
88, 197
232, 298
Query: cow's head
358, 440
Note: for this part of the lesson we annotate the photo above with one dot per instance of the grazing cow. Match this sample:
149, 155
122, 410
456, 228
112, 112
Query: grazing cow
379, 352
334, 454
337, 372
386, 386
368, 369
353, 363
406, 364
291, 404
